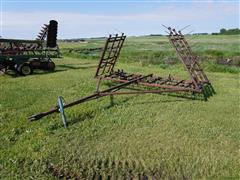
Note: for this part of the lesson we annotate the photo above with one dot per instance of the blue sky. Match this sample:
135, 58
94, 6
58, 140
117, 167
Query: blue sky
82, 18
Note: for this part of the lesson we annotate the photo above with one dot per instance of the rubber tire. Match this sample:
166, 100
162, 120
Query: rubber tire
25, 69
51, 66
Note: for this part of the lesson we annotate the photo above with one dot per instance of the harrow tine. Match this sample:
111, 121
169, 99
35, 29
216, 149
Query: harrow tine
185, 27
165, 26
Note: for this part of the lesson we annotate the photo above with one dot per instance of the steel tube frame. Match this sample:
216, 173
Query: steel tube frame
87, 98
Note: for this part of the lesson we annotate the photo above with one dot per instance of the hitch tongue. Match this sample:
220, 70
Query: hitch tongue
35, 117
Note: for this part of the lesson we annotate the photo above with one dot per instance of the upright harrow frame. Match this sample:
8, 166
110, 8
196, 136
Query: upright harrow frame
198, 82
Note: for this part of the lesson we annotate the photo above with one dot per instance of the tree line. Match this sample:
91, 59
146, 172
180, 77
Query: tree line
224, 31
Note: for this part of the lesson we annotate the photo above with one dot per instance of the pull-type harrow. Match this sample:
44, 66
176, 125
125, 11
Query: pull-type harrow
23, 56
197, 84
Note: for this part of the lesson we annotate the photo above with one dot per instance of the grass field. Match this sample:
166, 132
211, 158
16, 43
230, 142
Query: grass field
154, 136
156, 50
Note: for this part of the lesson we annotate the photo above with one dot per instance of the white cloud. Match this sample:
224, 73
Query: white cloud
202, 16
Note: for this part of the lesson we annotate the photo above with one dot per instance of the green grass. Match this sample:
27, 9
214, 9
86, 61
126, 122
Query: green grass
149, 135
156, 50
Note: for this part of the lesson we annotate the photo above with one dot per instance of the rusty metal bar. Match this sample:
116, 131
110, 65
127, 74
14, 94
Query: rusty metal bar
160, 86
109, 58
143, 92
102, 56
84, 99
119, 48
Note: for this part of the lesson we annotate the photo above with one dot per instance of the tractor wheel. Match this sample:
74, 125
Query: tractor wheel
25, 69
51, 66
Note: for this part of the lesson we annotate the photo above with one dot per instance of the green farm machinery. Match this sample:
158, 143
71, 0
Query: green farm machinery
24, 56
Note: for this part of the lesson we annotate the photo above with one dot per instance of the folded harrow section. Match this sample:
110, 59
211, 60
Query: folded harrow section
110, 54
187, 57
168, 82
197, 81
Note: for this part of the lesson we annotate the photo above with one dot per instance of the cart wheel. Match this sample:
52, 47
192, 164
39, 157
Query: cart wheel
25, 69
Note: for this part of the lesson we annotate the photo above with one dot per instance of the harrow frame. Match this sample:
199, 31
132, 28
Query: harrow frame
197, 84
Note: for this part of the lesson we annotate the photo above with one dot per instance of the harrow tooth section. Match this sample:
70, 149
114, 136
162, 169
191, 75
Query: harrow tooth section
152, 81
109, 58
187, 57
110, 54
112, 50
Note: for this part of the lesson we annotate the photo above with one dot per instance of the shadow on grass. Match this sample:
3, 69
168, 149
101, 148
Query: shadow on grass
60, 68
73, 66
80, 118
71, 120
112, 103
179, 98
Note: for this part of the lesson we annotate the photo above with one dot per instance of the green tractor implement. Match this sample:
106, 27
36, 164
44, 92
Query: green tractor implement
24, 56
